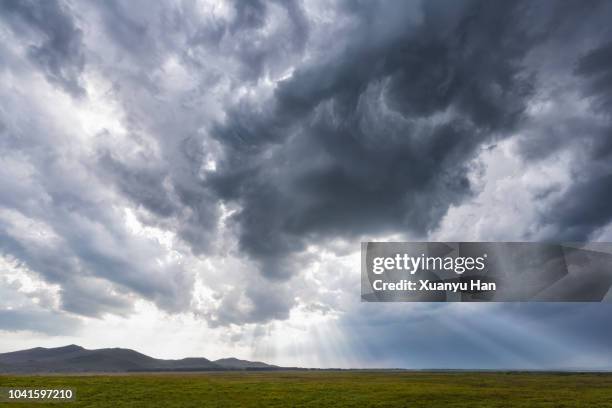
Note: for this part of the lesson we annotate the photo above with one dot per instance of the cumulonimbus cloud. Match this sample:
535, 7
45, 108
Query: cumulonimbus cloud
283, 125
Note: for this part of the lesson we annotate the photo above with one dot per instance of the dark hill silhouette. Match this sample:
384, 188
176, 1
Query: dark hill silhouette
74, 358
39, 353
240, 364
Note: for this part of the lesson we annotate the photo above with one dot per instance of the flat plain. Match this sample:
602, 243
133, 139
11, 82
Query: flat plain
325, 388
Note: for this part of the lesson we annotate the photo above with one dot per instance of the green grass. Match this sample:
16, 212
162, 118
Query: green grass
335, 389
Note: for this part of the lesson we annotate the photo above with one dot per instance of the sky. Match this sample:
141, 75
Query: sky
194, 178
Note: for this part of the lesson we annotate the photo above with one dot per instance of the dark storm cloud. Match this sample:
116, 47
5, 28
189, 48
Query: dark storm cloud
378, 138
300, 125
596, 65
174, 196
54, 41
171, 186
143, 185
582, 210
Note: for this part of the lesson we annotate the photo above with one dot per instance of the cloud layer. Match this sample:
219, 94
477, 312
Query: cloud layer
224, 159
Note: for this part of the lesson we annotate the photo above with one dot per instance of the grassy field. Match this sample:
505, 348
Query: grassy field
335, 389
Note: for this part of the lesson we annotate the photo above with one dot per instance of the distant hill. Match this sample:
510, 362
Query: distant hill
74, 358
234, 363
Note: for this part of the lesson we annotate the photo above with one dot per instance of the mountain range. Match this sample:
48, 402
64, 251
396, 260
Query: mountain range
75, 358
